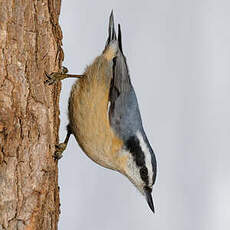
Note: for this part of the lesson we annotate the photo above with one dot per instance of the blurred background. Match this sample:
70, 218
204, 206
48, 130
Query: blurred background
178, 52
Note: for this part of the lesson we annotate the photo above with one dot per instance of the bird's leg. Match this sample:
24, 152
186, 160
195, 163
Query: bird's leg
58, 76
60, 148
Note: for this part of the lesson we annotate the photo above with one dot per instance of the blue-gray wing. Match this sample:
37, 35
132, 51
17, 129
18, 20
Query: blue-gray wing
124, 112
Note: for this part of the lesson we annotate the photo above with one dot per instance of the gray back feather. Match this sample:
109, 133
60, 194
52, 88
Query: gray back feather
124, 112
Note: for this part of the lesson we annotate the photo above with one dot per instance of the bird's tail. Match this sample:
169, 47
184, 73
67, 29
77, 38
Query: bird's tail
111, 45
111, 30
119, 38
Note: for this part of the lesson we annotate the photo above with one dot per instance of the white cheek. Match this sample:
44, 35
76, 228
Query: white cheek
132, 172
148, 159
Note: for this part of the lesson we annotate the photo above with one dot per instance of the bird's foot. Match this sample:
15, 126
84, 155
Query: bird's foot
60, 148
56, 76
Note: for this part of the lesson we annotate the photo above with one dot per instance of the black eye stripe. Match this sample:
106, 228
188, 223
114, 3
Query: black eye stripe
133, 146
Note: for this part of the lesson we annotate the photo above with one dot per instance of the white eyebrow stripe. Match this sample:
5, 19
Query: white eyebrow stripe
148, 158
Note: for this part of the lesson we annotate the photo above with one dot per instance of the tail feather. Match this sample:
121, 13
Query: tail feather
119, 38
111, 31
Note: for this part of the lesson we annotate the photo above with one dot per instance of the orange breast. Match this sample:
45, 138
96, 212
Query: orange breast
88, 114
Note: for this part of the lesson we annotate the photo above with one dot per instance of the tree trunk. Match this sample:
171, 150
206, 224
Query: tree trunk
30, 43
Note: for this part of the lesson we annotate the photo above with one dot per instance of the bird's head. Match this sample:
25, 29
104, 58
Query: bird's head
140, 167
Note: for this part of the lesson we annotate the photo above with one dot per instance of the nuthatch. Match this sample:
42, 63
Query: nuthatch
105, 119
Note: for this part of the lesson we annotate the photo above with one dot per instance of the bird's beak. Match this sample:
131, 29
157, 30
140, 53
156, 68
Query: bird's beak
149, 198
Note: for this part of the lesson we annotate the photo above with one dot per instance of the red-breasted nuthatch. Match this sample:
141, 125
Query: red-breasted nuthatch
105, 119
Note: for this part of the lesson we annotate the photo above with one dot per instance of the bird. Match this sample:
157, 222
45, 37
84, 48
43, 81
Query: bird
105, 119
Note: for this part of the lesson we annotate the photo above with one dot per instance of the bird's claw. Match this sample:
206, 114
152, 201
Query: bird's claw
56, 76
60, 148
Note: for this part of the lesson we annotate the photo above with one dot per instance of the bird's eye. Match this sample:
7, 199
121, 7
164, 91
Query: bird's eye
144, 174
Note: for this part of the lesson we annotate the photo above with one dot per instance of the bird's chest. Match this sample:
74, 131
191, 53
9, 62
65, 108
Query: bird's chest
88, 112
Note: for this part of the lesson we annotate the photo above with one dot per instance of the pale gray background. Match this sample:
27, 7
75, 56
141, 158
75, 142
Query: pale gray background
178, 53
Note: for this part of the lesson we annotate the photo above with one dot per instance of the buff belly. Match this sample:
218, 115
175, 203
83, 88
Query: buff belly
88, 114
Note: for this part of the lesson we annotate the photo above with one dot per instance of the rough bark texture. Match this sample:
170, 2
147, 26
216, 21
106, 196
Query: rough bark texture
30, 43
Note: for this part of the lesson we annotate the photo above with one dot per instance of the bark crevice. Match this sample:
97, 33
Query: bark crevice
30, 44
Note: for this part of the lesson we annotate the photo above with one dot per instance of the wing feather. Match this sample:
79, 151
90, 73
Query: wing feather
124, 112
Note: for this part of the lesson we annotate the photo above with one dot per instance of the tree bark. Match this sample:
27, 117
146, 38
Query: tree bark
30, 43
